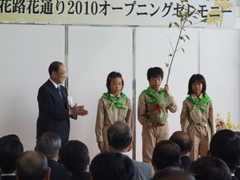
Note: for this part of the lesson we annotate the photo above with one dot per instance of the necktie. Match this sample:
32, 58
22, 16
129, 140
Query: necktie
59, 91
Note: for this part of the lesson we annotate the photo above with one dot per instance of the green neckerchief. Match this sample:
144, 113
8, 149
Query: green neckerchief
152, 95
115, 102
205, 99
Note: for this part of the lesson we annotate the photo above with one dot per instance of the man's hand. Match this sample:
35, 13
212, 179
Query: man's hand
78, 110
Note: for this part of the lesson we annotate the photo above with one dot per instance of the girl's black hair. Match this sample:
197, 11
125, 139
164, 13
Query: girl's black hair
111, 76
154, 72
200, 79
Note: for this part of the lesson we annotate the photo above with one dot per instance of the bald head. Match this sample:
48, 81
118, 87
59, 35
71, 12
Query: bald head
119, 135
183, 140
32, 165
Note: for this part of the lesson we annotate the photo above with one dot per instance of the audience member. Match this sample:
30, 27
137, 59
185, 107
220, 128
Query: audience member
185, 143
75, 158
173, 173
10, 149
225, 144
166, 154
210, 168
112, 165
120, 139
237, 171
32, 165
48, 144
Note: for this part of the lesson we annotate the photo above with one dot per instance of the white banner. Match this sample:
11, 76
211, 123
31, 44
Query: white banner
115, 12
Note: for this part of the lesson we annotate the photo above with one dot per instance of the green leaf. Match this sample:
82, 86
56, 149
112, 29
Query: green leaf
195, 17
187, 37
170, 25
180, 37
176, 24
183, 50
166, 64
170, 55
204, 20
190, 22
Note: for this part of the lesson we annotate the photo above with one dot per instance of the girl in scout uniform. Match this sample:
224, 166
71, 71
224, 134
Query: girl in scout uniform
112, 106
197, 116
153, 130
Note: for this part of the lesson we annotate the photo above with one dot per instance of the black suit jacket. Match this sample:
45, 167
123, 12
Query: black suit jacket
186, 161
82, 176
57, 171
53, 111
237, 173
143, 171
9, 178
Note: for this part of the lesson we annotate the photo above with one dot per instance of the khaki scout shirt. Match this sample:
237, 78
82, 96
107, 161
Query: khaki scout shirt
106, 117
144, 107
188, 115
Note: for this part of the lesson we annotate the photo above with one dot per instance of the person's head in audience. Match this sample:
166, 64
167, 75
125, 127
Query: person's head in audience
166, 154
112, 165
172, 173
48, 144
225, 144
210, 168
74, 156
32, 165
10, 149
183, 140
120, 137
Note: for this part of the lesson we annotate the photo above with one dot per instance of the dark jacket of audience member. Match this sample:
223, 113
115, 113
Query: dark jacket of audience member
10, 149
166, 154
48, 144
112, 165
32, 165
120, 139
185, 143
210, 168
225, 144
75, 158
173, 173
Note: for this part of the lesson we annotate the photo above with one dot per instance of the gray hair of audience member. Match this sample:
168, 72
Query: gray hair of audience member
183, 140
32, 165
111, 165
48, 144
10, 149
210, 168
173, 173
119, 135
166, 154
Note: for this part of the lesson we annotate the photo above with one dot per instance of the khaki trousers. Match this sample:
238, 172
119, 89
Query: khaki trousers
150, 137
201, 136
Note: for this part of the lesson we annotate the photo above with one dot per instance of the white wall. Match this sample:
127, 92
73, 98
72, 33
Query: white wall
26, 52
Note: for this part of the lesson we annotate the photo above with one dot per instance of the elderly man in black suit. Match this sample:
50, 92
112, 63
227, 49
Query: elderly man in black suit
120, 139
54, 110
32, 165
185, 143
48, 144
